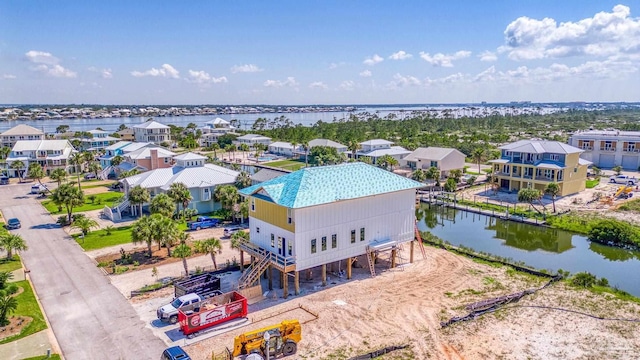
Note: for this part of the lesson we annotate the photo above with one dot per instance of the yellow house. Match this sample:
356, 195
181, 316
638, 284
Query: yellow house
536, 163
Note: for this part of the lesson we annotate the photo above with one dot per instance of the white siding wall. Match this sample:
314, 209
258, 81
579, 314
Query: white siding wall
263, 239
387, 216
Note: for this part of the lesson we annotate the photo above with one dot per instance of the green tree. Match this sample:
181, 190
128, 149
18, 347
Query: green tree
596, 171
450, 185
471, 180
456, 175
68, 196
165, 232
419, 175
387, 162
61, 129
231, 149
211, 246
434, 174
12, 242
617, 169
77, 159
5, 276
479, 155
183, 251
8, 304
58, 175
614, 231
553, 189
529, 195
227, 196
35, 172
243, 180
138, 196
244, 148
95, 168
116, 160
162, 204
17, 166
143, 232
237, 239
84, 224
181, 195
215, 147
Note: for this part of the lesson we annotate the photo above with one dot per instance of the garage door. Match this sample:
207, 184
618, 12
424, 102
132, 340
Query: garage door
630, 162
607, 161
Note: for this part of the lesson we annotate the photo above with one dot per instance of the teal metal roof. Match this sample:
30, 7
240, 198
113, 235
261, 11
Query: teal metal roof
326, 184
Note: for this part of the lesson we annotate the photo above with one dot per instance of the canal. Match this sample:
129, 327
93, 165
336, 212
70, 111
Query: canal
537, 246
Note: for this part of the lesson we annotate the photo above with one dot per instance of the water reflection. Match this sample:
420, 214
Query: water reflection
530, 238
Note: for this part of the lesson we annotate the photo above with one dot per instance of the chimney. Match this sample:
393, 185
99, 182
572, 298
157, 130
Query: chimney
154, 159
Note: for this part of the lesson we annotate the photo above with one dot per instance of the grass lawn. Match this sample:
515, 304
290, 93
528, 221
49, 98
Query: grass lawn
593, 183
99, 239
27, 306
10, 265
44, 357
292, 165
101, 200
633, 205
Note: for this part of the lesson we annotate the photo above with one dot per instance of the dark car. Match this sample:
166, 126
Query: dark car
175, 353
90, 176
4, 180
13, 224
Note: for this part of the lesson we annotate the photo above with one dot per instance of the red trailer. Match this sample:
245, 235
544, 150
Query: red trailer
212, 312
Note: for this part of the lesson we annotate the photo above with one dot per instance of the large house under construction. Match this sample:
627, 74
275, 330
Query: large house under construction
319, 216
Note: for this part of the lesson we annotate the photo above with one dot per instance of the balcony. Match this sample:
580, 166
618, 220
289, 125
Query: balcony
631, 150
611, 149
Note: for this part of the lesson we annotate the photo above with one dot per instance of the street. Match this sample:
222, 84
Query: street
89, 317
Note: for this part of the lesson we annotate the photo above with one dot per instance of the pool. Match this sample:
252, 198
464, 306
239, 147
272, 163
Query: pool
265, 158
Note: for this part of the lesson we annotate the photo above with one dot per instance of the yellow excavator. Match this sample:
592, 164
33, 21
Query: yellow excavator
282, 340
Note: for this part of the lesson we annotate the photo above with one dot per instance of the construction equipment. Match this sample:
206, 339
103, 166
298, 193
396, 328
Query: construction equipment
624, 192
283, 340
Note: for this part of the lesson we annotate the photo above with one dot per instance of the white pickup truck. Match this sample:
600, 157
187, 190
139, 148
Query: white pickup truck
623, 179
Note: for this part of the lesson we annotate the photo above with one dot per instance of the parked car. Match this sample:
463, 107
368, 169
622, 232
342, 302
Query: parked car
230, 230
4, 180
90, 176
623, 179
13, 223
37, 189
169, 312
175, 353
203, 222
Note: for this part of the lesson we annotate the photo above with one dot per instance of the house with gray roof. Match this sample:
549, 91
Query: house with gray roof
190, 169
20, 132
322, 216
252, 140
377, 148
50, 154
265, 174
152, 131
444, 159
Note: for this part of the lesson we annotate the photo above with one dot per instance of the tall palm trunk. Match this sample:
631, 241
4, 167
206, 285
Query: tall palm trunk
213, 258
149, 249
184, 263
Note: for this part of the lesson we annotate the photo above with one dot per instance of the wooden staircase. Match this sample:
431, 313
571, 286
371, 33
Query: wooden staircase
418, 238
372, 265
253, 273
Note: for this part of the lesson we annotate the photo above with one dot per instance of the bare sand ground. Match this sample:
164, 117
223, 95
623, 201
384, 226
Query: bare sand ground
406, 306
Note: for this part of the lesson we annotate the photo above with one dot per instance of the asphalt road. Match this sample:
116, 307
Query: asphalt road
89, 317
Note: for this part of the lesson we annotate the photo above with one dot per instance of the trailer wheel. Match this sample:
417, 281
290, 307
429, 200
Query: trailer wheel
198, 228
173, 319
289, 348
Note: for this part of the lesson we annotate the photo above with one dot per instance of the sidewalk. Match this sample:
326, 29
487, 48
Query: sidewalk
33, 345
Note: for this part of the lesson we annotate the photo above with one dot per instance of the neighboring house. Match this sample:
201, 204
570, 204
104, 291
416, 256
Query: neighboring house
444, 159
150, 158
609, 148
217, 125
100, 140
51, 154
328, 143
126, 135
252, 140
121, 148
152, 131
208, 139
266, 174
536, 163
377, 148
20, 132
281, 148
322, 215
190, 169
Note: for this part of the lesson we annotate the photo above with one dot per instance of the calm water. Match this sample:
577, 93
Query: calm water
539, 247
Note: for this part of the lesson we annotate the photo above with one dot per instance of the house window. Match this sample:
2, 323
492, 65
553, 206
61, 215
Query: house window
334, 241
253, 204
324, 243
554, 157
206, 194
273, 241
279, 243
290, 249
258, 230
353, 236
289, 216
434, 164
313, 246
361, 234
166, 160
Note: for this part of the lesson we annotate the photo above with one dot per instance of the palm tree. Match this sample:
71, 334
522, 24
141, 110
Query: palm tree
181, 195
8, 304
419, 175
433, 174
529, 195
138, 196
117, 160
58, 175
183, 251
237, 239
142, 232
17, 166
4, 152
84, 224
231, 149
553, 189
164, 231
69, 196
95, 168
12, 242
162, 204
353, 145
215, 147
211, 246
387, 162
244, 148
227, 195
35, 172
456, 174
243, 180
479, 155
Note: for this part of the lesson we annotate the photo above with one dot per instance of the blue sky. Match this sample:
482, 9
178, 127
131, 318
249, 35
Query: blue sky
318, 52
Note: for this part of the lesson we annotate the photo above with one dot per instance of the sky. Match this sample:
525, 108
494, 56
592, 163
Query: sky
318, 52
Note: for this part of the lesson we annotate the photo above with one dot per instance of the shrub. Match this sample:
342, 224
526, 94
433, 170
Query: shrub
583, 279
75, 217
613, 231
62, 220
11, 289
120, 270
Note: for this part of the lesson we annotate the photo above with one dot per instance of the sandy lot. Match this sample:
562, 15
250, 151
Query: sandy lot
406, 306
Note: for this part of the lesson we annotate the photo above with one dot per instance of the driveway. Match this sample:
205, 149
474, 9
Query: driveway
89, 317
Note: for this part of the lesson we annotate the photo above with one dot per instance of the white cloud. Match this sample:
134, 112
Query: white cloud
347, 85
373, 60
450, 79
104, 73
400, 55
488, 56
605, 34
48, 64
318, 85
444, 60
336, 65
8, 76
246, 68
165, 70
290, 82
202, 77
400, 81
366, 73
